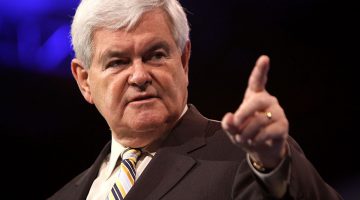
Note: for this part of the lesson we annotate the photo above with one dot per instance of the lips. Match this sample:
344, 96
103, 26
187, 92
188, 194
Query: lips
142, 97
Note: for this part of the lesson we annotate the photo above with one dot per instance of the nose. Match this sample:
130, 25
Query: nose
139, 77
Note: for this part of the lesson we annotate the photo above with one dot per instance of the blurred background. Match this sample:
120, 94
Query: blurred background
50, 134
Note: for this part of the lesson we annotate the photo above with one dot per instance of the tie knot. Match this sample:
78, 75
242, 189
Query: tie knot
131, 154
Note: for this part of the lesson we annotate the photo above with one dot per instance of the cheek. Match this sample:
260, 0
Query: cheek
114, 93
108, 96
175, 87
180, 80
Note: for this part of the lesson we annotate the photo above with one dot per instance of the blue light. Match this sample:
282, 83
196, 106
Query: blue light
7, 54
28, 43
21, 8
56, 49
34, 34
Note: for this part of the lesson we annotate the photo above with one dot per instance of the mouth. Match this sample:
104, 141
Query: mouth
142, 98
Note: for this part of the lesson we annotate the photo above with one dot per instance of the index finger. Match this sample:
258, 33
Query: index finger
258, 77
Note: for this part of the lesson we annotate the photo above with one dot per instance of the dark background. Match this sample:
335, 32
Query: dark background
50, 134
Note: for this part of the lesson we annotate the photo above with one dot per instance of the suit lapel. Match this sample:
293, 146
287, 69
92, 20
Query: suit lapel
85, 182
164, 171
171, 161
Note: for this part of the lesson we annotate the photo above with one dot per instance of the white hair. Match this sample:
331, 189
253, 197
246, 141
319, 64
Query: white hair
116, 14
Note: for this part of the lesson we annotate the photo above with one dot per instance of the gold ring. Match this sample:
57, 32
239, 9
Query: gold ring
268, 114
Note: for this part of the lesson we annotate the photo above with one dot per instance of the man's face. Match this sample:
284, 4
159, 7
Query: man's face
138, 79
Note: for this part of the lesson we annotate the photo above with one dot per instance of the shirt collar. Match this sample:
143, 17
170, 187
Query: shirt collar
184, 111
116, 149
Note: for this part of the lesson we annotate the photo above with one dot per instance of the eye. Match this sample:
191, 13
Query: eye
118, 63
156, 57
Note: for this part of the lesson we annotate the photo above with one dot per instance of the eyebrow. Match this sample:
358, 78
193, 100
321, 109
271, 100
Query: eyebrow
157, 45
103, 57
110, 53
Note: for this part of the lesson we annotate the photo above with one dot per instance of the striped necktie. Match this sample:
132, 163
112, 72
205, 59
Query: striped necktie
126, 177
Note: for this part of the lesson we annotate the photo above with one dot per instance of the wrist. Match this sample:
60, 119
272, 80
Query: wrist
268, 160
259, 166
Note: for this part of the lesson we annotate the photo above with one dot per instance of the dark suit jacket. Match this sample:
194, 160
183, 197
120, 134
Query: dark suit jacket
197, 161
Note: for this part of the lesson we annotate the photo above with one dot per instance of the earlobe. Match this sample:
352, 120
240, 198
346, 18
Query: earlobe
81, 75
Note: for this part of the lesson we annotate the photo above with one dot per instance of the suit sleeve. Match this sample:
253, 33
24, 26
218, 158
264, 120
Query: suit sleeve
304, 182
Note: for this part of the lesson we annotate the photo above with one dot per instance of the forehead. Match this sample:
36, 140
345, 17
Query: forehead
153, 24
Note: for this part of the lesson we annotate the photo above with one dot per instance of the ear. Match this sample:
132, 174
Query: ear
81, 75
185, 57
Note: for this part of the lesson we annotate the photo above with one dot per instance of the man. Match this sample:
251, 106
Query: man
132, 63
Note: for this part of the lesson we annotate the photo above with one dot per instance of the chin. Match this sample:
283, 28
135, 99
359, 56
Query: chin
143, 131
140, 139
143, 127
147, 120
146, 125
135, 142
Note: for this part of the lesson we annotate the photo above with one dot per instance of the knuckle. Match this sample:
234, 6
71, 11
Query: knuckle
273, 100
284, 123
259, 99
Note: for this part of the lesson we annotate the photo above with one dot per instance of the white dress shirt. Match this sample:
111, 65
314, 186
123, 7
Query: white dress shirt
110, 168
